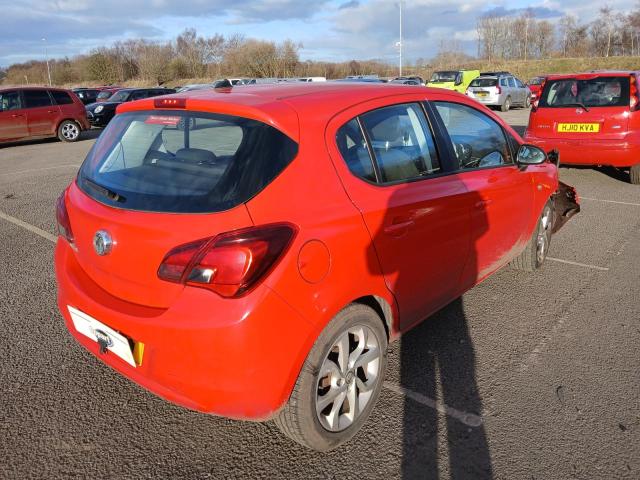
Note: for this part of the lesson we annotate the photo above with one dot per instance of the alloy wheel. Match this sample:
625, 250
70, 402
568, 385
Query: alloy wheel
544, 234
347, 378
70, 131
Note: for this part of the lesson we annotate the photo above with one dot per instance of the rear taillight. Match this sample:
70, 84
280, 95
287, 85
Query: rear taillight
62, 218
498, 90
229, 264
634, 97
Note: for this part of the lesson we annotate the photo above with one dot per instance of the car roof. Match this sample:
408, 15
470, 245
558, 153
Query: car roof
43, 87
282, 104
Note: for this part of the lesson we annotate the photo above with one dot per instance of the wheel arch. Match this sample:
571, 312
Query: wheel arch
384, 311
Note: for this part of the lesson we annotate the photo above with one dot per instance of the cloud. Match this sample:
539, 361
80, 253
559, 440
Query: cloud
351, 4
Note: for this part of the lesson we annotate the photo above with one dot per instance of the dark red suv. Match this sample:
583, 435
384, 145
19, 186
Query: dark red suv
38, 112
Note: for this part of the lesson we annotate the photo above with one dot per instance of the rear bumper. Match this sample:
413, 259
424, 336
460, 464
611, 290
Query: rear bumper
234, 358
589, 152
488, 101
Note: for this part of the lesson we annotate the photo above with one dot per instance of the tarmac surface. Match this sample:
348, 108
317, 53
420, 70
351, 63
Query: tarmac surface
528, 376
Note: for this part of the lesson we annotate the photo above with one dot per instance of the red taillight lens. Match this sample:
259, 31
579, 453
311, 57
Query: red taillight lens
498, 90
231, 263
634, 97
170, 103
62, 218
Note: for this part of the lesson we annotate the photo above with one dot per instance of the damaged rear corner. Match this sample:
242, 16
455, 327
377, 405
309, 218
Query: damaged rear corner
567, 204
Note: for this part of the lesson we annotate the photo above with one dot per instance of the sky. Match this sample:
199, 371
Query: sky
331, 30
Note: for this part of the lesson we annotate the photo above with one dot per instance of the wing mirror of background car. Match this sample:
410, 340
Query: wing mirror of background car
530, 155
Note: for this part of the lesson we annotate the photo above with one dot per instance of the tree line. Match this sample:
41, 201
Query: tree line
188, 56
504, 37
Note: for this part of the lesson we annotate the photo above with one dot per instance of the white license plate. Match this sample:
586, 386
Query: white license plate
92, 328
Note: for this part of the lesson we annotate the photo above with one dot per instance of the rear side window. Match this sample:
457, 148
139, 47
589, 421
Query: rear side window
183, 162
401, 142
36, 98
10, 101
61, 98
353, 147
484, 82
593, 92
512, 82
478, 141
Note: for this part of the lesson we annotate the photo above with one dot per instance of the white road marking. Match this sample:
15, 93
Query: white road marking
468, 419
610, 201
33, 170
577, 264
27, 226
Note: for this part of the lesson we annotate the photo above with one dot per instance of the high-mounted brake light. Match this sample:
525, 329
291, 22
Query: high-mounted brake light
230, 264
170, 103
634, 94
62, 219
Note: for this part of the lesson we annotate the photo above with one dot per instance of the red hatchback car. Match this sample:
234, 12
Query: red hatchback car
250, 252
591, 119
39, 112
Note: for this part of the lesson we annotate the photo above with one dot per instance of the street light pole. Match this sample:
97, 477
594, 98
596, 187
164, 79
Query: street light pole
400, 42
46, 57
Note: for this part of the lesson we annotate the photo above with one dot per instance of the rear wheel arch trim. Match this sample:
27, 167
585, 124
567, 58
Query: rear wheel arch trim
384, 311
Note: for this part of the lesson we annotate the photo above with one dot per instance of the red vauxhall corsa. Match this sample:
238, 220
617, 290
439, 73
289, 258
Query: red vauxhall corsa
591, 119
40, 112
250, 252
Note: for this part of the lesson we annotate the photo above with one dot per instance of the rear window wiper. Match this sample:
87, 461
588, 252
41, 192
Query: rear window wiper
105, 192
574, 104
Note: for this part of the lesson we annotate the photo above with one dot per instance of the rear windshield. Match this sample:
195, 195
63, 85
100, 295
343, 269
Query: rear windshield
484, 82
183, 162
444, 76
535, 81
594, 92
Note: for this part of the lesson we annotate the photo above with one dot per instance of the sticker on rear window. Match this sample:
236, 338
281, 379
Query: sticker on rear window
162, 120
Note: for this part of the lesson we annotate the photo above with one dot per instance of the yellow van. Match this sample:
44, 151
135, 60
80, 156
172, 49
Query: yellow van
457, 80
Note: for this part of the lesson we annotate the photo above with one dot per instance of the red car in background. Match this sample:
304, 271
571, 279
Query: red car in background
39, 112
106, 93
250, 252
535, 84
591, 119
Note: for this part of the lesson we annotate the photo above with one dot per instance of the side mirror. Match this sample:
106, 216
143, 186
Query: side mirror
530, 155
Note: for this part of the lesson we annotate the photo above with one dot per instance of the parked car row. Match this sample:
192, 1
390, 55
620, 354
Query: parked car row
100, 114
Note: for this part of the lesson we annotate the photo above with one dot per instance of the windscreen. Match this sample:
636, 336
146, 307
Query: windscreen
120, 96
484, 82
105, 94
592, 92
183, 162
444, 76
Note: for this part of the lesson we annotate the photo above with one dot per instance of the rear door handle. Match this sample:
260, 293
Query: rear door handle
399, 228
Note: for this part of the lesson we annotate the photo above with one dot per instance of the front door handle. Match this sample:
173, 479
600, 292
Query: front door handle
399, 228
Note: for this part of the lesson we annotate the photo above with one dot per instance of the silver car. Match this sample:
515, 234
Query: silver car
504, 91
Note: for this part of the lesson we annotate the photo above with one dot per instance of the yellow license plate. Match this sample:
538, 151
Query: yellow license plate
482, 94
578, 127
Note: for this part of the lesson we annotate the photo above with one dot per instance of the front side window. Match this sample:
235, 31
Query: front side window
401, 142
478, 141
36, 98
183, 162
10, 101
593, 92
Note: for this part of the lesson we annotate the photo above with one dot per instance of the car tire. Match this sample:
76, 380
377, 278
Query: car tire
506, 105
357, 328
68, 131
634, 174
535, 253
527, 102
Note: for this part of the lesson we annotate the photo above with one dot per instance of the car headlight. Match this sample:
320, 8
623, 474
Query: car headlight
98, 109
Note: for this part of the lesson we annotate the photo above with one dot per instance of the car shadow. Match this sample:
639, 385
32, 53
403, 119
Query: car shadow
619, 174
437, 357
